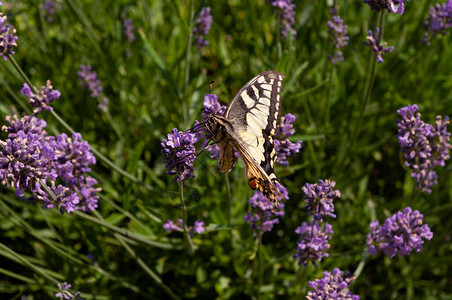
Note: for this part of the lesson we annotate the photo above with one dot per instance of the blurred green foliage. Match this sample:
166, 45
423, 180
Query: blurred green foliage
150, 92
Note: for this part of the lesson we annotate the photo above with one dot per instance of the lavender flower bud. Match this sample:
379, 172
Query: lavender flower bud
283, 146
128, 30
198, 227
264, 215
179, 154
202, 27
338, 34
319, 198
392, 6
332, 286
8, 40
439, 20
313, 242
63, 292
89, 81
286, 12
41, 100
400, 233
372, 41
28, 124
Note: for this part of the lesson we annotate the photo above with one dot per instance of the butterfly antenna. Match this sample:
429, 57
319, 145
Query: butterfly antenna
210, 84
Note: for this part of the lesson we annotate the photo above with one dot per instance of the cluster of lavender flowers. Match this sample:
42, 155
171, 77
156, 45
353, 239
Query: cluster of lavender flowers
30, 158
41, 99
198, 227
314, 236
89, 80
338, 34
392, 6
331, 286
373, 41
49, 7
439, 20
424, 146
285, 148
286, 12
264, 215
400, 233
8, 39
128, 30
202, 27
64, 293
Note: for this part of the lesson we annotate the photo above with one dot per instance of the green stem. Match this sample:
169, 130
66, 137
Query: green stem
229, 200
370, 84
260, 269
187, 60
145, 267
184, 219
361, 264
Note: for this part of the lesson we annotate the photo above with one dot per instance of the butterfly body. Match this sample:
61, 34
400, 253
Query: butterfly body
248, 126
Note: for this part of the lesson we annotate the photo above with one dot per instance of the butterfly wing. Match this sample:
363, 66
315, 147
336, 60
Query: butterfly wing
252, 116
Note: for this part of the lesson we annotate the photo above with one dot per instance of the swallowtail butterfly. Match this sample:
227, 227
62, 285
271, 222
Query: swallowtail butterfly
248, 126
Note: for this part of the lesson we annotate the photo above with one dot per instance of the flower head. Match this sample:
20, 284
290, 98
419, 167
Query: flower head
313, 244
338, 34
332, 286
8, 39
376, 45
179, 154
202, 27
286, 12
198, 227
392, 6
400, 233
212, 106
89, 81
128, 30
283, 146
264, 215
28, 124
49, 7
41, 100
63, 292
439, 20
424, 146
319, 198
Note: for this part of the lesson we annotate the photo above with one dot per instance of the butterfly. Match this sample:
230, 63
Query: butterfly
248, 126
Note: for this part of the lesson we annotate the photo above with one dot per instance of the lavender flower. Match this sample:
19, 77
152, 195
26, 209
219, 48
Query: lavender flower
104, 105
372, 41
197, 228
339, 38
211, 106
265, 215
332, 286
393, 6
313, 242
89, 81
8, 40
179, 154
319, 198
401, 233
439, 20
284, 148
128, 30
49, 7
41, 100
202, 27
30, 157
424, 146
286, 12
24, 161
64, 293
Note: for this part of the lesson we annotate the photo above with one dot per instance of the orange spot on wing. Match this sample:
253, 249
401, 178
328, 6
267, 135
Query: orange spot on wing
252, 182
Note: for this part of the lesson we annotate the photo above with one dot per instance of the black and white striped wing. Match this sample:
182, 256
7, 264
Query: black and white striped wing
253, 114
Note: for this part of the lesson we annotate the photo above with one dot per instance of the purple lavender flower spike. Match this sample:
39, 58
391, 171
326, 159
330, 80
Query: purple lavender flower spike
49, 7
401, 233
89, 81
439, 20
43, 99
283, 146
424, 146
28, 124
63, 292
264, 215
286, 12
202, 27
319, 198
392, 6
313, 244
332, 286
170, 226
372, 41
128, 30
198, 228
24, 161
212, 106
179, 154
338, 34
8, 39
